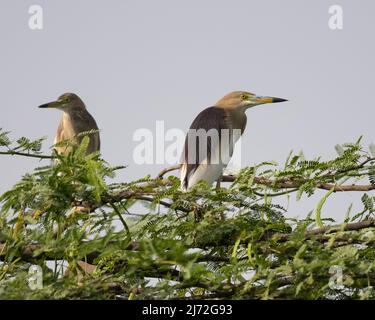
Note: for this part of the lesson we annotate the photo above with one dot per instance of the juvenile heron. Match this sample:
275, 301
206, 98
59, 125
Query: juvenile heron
211, 138
75, 120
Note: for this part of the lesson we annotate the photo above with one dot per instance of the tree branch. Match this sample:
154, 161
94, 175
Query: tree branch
170, 169
293, 184
24, 154
290, 184
282, 237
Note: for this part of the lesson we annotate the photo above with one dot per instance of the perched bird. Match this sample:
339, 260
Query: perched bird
211, 138
75, 120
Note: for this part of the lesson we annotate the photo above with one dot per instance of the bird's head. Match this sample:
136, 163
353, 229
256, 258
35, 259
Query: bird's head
243, 100
66, 102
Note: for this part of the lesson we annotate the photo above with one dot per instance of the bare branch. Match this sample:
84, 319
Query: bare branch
293, 184
24, 154
290, 184
170, 169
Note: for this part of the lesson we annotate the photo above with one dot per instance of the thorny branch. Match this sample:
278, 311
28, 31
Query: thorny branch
295, 184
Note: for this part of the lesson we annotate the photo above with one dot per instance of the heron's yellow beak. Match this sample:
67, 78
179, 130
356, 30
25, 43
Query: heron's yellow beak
262, 100
53, 104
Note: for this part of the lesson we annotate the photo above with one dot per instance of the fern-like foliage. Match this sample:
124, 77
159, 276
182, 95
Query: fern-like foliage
233, 242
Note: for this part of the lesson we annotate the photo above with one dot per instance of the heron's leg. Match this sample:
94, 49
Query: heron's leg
218, 183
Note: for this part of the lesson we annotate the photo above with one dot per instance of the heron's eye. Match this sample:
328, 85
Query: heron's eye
244, 96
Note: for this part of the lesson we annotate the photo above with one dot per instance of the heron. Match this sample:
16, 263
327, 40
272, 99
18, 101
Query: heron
75, 120
210, 141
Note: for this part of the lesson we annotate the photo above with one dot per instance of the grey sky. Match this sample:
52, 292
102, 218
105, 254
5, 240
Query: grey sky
135, 62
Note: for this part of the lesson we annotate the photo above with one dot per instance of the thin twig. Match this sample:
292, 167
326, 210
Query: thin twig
24, 154
166, 170
121, 218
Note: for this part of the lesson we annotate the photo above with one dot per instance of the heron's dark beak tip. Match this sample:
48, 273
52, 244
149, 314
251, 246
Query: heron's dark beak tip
275, 100
43, 106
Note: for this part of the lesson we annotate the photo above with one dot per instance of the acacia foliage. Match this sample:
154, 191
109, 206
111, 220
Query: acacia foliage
232, 243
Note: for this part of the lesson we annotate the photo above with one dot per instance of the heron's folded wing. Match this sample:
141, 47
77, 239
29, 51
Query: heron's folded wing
85, 122
95, 137
208, 119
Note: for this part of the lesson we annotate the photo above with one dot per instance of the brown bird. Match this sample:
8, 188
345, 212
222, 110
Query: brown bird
75, 120
211, 138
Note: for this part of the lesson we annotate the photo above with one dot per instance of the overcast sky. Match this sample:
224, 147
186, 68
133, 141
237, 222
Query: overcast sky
136, 62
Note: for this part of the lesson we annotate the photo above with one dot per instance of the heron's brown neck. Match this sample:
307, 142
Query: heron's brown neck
70, 121
75, 113
239, 118
234, 111
236, 117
